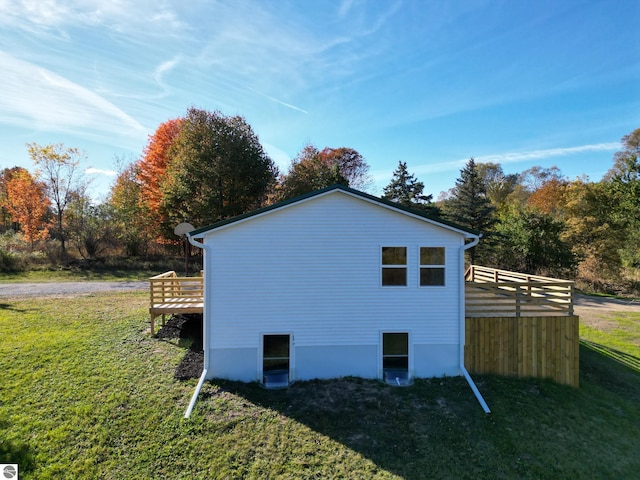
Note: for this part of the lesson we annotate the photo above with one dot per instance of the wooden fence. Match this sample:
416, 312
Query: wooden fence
171, 294
495, 293
543, 346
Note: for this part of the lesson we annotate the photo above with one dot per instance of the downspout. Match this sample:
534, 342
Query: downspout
205, 329
464, 371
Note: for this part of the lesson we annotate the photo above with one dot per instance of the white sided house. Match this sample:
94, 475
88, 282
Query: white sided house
330, 284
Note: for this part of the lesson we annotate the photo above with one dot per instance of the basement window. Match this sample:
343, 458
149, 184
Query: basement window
394, 266
395, 358
275, 361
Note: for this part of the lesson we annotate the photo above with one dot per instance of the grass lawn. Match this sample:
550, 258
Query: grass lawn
86, 393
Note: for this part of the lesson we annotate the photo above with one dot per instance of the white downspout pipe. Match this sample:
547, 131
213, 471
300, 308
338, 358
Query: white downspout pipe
205, 329
464, 371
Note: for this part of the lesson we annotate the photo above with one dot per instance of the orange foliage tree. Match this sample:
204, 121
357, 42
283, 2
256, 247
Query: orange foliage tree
152, 166
549, 198
150, 173
27, 202
351, 165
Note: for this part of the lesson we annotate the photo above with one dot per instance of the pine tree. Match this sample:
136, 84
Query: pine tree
406, 190
469, 205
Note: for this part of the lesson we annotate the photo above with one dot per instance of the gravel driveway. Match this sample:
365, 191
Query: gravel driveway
68, 288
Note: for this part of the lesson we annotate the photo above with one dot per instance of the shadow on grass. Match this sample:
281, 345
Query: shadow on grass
396, 428
187, 329
11, 452
9, 306
624, 358
424, 430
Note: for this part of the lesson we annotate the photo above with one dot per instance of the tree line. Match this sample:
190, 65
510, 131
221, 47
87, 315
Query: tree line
205, 167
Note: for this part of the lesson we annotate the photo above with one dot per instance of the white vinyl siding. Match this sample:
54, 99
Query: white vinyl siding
313, 268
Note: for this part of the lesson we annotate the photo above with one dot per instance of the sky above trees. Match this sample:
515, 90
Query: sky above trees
426, 83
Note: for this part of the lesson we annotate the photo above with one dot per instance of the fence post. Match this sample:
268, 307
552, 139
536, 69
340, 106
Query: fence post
518, 300
571, 295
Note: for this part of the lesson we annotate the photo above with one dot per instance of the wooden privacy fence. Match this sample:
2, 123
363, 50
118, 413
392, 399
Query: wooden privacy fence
544, 346
171, 294
493, 293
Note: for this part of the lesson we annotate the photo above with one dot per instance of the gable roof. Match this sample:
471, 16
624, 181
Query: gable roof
200, 232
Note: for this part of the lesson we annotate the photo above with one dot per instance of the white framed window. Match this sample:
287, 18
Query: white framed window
432, 266
395, 358
276, 360
394, 266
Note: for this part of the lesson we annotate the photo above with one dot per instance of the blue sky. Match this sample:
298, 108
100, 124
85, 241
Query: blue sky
430, 83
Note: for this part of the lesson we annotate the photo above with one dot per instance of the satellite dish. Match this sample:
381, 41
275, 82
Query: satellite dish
183, 228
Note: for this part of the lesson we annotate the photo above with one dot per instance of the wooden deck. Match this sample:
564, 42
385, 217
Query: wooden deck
488, 293
499, 293
171, 295
521, 325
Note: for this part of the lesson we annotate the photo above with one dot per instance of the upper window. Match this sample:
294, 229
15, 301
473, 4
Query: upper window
431, 266
394, 266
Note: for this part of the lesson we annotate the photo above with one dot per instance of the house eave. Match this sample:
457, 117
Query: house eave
200, 233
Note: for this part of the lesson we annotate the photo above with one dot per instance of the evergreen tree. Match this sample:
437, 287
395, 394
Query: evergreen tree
469, 204
406, 190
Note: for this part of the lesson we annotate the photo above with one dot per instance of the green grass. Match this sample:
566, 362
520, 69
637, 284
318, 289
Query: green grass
86, 393
620, 341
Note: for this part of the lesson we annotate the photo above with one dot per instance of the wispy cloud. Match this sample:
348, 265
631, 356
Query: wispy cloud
163, 69
36, 97
280, 102
515, 157
55, 17
504, 158
100, 171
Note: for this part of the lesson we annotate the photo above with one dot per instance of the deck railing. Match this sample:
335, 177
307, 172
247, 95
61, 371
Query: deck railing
168, 286
172, 294
493, 293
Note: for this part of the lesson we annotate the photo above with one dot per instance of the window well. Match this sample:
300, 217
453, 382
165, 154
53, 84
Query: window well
275, 361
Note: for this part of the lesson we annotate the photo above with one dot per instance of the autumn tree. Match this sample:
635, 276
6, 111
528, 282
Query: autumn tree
151, 168
91, 228
623, 184
350, 165
59, 167
405, 189
498, 185
28, 205
309, 172
7, 222
594, 230
549, 198
217, 168
130, 213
